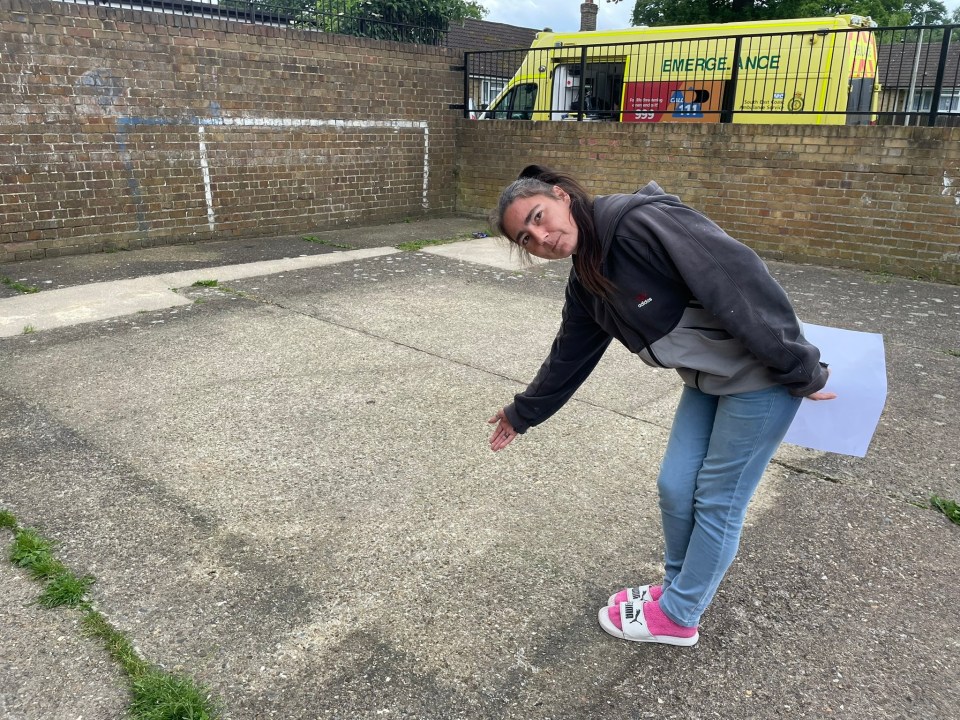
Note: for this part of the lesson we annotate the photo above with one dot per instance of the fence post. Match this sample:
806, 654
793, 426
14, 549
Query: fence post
583, 82
466, 85
938, 85
730, 92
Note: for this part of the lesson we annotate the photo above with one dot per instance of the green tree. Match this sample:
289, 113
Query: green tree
886, 13
421, 21
406, 20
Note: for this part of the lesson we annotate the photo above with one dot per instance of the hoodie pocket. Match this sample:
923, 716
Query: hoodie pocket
709, 350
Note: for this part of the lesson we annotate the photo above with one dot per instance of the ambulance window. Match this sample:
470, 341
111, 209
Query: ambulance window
525, 100
517, 104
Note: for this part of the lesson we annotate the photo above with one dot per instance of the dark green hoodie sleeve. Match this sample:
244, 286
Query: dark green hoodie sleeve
734, 284
575, 352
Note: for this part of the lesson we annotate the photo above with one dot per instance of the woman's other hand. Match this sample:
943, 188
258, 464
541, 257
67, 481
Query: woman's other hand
821, 394
503, 434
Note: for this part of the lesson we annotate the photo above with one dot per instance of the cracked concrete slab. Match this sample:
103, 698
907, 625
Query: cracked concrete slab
115, 298
286, 493
49, 668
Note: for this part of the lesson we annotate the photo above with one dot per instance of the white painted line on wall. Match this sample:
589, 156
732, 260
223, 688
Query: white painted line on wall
948, 188
207, 187
305, 122
426, 165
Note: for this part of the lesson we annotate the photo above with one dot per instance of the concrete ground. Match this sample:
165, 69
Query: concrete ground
283, 488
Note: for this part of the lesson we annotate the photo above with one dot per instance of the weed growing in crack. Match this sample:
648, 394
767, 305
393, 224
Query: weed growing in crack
7, 520
947, 507
420, 244
65, 590
328, 243
31, 551
18, 286
159, 696
156, 694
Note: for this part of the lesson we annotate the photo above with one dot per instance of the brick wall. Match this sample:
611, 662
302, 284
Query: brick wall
121, 128
874, 198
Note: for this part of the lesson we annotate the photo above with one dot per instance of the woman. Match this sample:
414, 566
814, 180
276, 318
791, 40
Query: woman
675, 289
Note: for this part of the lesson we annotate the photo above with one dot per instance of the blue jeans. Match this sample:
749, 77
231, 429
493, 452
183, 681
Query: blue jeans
718, 449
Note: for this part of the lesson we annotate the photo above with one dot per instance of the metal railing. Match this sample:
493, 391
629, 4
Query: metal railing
902, 75
360, 18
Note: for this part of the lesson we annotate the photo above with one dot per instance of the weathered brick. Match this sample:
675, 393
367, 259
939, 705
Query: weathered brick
825, 210
102, 146
111, 154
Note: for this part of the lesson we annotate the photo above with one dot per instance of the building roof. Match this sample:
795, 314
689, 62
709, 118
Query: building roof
482, 35
895, 64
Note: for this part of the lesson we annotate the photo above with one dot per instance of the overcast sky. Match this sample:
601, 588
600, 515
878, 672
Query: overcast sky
564, 15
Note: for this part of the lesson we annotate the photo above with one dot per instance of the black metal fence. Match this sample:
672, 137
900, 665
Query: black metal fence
362, 18
901, 75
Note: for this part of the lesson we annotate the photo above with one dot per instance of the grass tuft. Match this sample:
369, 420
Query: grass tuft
159, 696
116, 643
29, 329
46, 567
18, 286
65, 590
31, 550
156, 694
7, 520
328, 243
234, 291
205, 283
947, 507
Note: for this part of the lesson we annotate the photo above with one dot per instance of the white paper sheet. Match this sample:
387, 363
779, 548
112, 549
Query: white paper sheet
858, 375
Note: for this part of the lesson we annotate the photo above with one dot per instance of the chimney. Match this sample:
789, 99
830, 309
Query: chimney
588, 16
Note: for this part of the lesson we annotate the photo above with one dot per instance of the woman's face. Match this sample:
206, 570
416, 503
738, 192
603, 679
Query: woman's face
542, 225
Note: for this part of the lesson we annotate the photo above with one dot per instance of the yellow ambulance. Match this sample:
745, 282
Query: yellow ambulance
802, 71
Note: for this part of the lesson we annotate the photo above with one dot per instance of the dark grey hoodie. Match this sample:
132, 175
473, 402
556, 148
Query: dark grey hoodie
688, 297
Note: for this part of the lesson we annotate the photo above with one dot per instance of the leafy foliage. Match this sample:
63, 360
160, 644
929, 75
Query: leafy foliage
886, 13
420, 21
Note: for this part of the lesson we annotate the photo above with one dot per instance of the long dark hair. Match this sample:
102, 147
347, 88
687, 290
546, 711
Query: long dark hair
538, 180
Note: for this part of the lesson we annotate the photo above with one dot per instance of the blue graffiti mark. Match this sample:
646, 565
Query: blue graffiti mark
124, 125
132, 182
104, 86
156, 121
